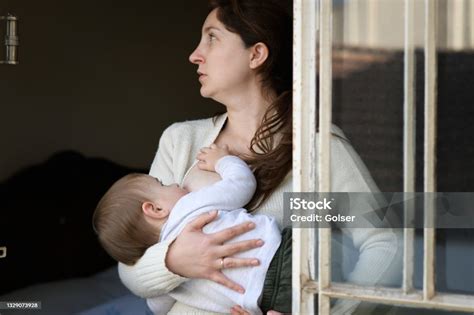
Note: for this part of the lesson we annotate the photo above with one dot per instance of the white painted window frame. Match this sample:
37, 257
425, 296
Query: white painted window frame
309, 17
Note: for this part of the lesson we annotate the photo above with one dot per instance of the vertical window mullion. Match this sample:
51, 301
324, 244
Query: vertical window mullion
459, 24
324, 148
409, 144
353, 23
429, 148
470, 23
304, 121
372, 23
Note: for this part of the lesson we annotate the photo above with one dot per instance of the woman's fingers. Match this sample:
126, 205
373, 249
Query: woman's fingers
235, 311
230, 262
238, 310
238, 247
202, 165
201, 156
220, 278
201, 221
232, 232
195, 254
204, 150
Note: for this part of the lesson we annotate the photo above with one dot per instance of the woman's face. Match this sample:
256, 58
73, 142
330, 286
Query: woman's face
223, 61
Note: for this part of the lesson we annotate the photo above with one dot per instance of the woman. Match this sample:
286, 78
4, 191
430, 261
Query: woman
244, 61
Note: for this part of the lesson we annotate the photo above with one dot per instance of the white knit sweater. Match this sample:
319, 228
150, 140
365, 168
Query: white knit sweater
379, 257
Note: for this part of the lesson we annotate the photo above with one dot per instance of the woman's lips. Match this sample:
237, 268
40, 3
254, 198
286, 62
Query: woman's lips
202, 76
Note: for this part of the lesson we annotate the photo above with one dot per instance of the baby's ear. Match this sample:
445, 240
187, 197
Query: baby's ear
149, 209
152, 210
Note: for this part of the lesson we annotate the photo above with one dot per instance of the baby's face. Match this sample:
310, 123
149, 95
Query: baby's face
167, 196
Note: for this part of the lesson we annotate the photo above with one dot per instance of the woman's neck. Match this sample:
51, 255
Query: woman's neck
239, 130
242, 125
245, 114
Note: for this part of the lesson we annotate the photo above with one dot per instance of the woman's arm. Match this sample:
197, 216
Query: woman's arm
150, 277
379, 248
193, 254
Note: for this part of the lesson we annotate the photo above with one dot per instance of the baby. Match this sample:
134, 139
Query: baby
138, 211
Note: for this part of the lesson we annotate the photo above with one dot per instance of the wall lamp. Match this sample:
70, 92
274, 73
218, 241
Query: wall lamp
11, 39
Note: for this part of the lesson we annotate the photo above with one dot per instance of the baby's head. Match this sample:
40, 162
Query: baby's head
129, 217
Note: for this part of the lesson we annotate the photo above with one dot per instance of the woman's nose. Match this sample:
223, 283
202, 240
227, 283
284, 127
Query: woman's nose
196, 57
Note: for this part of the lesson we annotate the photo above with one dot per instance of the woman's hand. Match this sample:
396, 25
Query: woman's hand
195, 254
238, 310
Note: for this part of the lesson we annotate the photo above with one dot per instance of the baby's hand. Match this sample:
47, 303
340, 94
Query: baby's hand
208, 157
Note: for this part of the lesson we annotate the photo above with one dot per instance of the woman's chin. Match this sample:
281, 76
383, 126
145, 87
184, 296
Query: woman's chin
205, 93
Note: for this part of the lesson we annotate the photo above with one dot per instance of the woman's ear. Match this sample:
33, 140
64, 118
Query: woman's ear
153, 211
259, 53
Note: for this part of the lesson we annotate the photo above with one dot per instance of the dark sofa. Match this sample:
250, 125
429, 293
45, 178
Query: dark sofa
46, 219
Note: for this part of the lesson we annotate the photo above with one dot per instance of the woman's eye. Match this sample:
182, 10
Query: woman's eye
212, 37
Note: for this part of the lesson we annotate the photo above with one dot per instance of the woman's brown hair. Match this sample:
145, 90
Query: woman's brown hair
269, 22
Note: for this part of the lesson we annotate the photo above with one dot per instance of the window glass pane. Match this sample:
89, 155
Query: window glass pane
368, 90
455, 139
368, 98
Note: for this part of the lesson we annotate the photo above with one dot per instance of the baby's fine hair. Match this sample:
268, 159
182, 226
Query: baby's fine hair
119, 221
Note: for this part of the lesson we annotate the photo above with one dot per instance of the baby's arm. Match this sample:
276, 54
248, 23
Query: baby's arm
237, 185
232, 192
